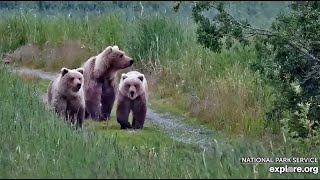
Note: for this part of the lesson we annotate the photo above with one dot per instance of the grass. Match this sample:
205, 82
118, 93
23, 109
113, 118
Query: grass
217, 88
38, 144
112, 128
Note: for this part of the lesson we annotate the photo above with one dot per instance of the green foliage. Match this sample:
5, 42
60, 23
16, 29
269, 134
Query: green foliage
205, 84
48, 32
210, 35
37, 144
14, 34
218, 87
295, 64
287, 54
153, 36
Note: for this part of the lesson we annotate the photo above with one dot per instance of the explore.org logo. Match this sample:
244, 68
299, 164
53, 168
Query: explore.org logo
294, 169
286, 164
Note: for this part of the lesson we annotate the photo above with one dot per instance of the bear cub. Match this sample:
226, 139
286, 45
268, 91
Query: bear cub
132, 95
66, 95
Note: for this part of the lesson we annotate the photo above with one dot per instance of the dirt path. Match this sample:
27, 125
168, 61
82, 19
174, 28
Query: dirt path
172, 125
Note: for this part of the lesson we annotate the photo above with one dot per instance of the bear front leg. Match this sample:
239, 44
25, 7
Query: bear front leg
107, 100
80, 116
139, 112
60, 107
123, 110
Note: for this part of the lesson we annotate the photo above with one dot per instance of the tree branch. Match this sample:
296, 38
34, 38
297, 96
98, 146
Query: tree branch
270, 33
304, 51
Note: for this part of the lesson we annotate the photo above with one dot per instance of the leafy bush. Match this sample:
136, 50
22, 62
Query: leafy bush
287, 55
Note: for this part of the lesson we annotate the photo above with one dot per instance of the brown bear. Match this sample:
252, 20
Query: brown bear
100, 81
132, 95
66, 95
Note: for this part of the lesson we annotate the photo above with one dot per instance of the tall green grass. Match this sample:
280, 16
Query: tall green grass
218, 88
21, 28
37, 144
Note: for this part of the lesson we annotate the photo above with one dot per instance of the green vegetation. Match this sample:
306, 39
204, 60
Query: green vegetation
112, 128
287, 57
217, 88
197, 70
37, 144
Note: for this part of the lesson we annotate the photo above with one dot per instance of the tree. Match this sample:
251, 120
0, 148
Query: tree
288, 55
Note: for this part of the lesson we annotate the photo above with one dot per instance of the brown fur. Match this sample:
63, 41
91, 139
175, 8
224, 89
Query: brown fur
66, 96
100, 81
132, 95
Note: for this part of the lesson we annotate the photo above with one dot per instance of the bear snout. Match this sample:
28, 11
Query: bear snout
78, 86
131, 62
132, 93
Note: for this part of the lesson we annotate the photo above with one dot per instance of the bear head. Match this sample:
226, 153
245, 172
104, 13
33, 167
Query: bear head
132, 84
72, 79
114, 58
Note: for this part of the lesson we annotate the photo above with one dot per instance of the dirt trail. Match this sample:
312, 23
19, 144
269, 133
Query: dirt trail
172, 125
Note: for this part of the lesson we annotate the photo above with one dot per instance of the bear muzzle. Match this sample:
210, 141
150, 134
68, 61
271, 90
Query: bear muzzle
77, 87
132, 93
131, 62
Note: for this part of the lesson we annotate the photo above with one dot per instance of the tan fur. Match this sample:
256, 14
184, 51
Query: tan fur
100, 84
132, 96
131, 77
65, 96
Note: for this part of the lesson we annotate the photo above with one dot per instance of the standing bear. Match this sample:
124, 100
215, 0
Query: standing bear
100, 74
132, 95
66, 95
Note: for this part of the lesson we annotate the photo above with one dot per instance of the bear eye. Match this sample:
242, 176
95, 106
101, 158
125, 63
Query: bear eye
80, 79
128, 85
121, 55
72, 79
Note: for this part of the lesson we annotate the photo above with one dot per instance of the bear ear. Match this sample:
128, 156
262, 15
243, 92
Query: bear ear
115, 47
108, 50
81, 70
64, 71
141, 77
123, 76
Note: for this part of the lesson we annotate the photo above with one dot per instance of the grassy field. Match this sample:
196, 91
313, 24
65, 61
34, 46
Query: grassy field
112, 128
37, 144
216, 88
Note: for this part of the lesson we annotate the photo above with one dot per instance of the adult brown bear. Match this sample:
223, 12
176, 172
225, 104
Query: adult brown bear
100, 84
